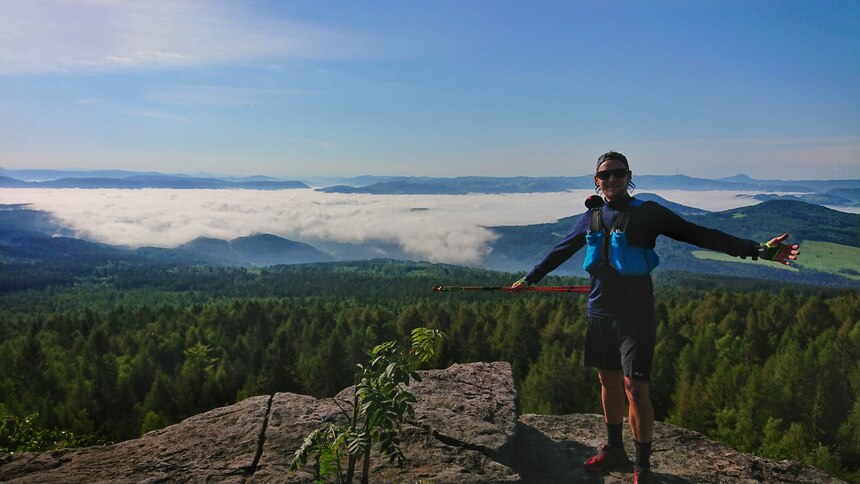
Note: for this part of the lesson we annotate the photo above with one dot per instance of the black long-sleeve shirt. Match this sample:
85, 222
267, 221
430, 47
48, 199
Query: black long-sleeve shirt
614, 295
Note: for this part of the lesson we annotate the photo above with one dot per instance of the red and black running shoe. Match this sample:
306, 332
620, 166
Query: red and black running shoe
642, 476
606, 458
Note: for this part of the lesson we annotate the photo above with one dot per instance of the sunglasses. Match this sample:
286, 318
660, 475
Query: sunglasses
619, 173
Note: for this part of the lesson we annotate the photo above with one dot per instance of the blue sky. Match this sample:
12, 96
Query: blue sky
297, 89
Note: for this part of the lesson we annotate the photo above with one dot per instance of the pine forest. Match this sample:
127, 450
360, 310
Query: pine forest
766, 368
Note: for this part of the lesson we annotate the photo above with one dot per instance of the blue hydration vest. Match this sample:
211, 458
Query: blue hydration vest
626, 259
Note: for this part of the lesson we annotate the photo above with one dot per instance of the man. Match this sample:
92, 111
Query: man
619, 234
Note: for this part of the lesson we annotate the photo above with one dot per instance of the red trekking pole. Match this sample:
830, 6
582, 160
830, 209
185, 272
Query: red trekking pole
580, 289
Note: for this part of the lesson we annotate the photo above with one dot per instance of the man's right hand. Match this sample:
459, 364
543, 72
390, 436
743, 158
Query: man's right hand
776, 251
520, 286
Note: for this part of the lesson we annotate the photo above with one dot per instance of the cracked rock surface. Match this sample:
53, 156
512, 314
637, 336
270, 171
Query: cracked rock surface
466, 430
220, 444
463, 417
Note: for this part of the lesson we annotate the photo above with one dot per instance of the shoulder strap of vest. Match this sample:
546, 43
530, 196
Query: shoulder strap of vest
596, 221
623, 218
621, 222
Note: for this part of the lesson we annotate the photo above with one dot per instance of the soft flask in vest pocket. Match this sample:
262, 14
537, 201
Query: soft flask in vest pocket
628, 260
593, 251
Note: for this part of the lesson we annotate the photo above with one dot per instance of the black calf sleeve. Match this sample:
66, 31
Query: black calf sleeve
614, 432
643, 454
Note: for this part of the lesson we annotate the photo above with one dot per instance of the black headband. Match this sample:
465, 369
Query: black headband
612, 155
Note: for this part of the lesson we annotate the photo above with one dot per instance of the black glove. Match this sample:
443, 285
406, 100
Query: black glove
776, 253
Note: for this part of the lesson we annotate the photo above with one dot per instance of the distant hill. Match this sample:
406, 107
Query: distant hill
151, 181
804, 221
354, 181
32, 235
669, 182
20, 218
260, 249
675, 207
839, 197
36, 247
851, 194
464, 185
44, 175
8, 182
792, 185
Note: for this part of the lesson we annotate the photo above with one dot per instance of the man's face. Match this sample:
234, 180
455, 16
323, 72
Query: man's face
614, 186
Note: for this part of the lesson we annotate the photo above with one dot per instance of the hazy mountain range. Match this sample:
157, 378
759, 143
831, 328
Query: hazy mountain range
152, 181
825, 192
463, 185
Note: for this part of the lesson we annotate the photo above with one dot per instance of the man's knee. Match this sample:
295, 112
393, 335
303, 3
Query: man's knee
610, 378
637, 390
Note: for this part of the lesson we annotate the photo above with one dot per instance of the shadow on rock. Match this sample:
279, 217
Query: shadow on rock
550, 451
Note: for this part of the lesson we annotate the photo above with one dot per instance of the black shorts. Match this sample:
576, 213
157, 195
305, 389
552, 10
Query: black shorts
622, 344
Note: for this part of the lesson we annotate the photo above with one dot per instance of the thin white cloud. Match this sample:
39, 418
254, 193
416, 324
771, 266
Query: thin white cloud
446, 228
45, 36
155, 115
219, 96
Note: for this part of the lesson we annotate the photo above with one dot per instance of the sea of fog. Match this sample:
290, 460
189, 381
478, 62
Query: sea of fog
439, 228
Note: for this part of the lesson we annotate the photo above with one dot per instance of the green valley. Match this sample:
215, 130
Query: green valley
826, 257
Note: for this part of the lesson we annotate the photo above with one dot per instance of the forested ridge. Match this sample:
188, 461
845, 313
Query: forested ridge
767, 368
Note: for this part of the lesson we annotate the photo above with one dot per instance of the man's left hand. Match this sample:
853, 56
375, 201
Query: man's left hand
776, 251
519, 286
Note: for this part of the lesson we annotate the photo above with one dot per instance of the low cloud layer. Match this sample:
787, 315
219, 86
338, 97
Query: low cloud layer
438, 228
